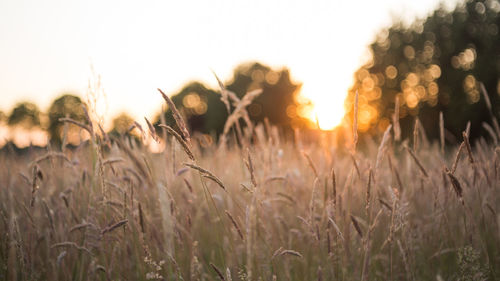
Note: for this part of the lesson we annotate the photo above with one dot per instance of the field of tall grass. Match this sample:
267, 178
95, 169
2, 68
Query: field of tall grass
269, 208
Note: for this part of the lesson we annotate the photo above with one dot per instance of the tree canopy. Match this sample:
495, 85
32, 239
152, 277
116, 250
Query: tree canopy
67, 105
437, 64
206, 113
25, 114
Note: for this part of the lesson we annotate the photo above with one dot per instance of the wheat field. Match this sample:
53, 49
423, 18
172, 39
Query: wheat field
270, 208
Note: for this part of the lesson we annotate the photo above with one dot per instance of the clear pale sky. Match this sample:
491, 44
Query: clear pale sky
49, 47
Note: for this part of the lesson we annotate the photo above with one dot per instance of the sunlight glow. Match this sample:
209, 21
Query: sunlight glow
326, 88
165, 44
327, 109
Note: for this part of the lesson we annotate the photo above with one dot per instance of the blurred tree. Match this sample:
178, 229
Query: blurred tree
434, 65
205, 112
202, 108
2, 117
121, 123
66, 105
278, 99
25, 114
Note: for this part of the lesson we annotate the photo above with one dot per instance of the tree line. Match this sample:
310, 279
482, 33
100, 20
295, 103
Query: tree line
447, 64
201, 106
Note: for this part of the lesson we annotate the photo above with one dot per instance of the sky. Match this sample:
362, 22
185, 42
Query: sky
133, 47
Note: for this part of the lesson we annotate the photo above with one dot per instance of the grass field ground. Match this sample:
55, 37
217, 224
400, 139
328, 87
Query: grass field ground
270, 209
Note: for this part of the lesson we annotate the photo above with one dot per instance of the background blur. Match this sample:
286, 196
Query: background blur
309, 57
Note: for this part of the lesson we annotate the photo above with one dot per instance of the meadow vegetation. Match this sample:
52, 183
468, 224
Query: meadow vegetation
252, 206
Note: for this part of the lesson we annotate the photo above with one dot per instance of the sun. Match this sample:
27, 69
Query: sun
327, 104
326, 88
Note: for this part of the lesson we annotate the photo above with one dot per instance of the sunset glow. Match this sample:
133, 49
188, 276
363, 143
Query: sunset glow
326, 108
136, 47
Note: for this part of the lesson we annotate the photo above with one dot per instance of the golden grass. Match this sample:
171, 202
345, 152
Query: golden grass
275, 210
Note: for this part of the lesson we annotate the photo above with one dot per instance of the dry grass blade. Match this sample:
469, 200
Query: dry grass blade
198, 168
139, 164
114, 226
79, 124
396, 173
277, 252
419, 164
368, 190
404, 255
49, 156
139, 127
493, 212
335, 226
48, 213
87, 116
415, 134
385, 204
71, 244
224, 93
141, 219
239, 111
382, 147
110, 161
177, 116
250, 168
80, 226
490, 131
375, 221
219, 273
181, 171
356, 165
457, 158
328, 242
206, 174
216, 180
334, 187
179, 139
355, 121
105, 136
441, 131
488, 105
311, 163
356, 226
235, 224
395, 121
60, 257
37, 175
247, 99
291, 252
189, 186
456, 185
485, 95
245, 188
275, 178
152, 130
288, 197
441, 252
467, 145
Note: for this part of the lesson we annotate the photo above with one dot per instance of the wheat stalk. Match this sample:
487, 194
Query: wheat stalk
114, 226
395, 121
419, 164
177, 117
441, 131
180, 140
355, 121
